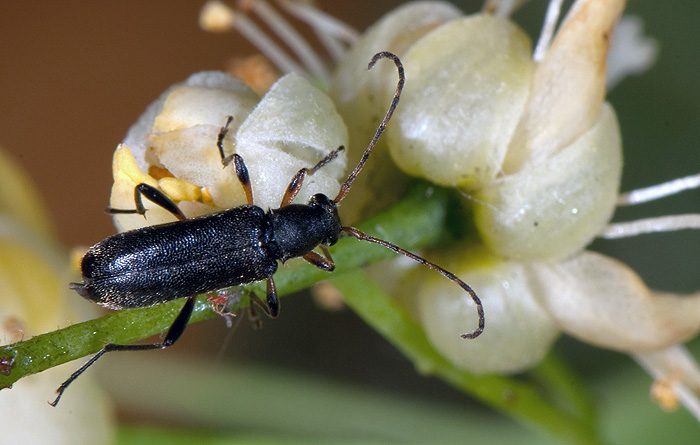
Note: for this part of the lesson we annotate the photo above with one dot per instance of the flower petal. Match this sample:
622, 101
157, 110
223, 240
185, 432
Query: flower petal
568, 86
294, 126
554, 208
467, 83
601, 301
518, 333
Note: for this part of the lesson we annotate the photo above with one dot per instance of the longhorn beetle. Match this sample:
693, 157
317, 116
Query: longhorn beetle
188, 257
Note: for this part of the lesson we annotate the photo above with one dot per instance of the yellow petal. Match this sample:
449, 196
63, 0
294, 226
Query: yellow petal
127, 175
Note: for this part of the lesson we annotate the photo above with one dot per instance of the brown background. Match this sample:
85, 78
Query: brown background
76, 75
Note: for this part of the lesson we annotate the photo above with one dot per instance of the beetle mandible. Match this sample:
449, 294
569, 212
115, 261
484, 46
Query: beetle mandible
188, 257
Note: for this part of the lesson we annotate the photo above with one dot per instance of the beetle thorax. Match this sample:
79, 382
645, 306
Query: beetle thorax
299, 228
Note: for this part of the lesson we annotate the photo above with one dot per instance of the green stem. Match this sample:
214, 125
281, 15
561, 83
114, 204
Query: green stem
521, 400
564, 388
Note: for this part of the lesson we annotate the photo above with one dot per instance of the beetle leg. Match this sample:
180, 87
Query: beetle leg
175, 331
298, 179
323, 262
155, 196
253, 314
243, 178
226, 160
241, 169
242, 174
273, 304
293, 187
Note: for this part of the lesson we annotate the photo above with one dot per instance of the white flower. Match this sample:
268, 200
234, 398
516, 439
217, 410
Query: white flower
173, 146
531, 142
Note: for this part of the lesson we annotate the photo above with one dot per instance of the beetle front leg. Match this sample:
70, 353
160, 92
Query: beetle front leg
298, 179
155, 196
239, 164
323, 262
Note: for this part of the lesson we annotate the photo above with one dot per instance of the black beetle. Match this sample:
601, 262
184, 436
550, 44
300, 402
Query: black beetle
188, 257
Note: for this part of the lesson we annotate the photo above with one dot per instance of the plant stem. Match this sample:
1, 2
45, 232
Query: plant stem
521, 400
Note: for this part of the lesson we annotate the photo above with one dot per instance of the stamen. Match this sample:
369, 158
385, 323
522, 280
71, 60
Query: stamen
550, 22
659, 190
331, 32
214, 12
651, 225
215, 17
320, 21
675, 363
657, 224
335, 48
631, 52
292, 38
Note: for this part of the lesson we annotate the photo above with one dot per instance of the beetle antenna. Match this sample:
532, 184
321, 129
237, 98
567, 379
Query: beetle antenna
449, 275
399, 87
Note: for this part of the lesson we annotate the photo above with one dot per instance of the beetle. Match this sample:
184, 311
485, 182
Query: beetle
188, 257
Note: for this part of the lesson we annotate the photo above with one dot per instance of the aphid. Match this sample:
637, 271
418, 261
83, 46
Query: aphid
188, 257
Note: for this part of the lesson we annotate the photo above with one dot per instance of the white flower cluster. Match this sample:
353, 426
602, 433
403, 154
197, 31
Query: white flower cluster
526, 136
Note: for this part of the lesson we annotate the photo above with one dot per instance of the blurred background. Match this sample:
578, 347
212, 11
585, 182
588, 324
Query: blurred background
76, 75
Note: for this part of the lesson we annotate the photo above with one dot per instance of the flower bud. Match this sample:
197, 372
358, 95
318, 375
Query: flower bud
467, 83
34, 298
531, 143
362, 99
553, 208
519, 332
174, 146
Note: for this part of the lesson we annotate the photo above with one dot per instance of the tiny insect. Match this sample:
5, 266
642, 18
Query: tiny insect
189, 257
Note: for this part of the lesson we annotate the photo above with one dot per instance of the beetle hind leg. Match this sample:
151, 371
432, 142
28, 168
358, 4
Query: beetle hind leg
273, 303
174, 333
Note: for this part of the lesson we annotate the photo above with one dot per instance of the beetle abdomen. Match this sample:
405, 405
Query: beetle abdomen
164, 262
